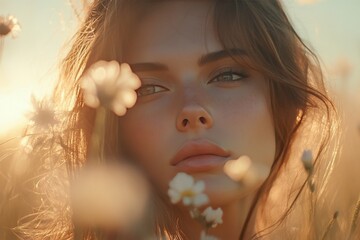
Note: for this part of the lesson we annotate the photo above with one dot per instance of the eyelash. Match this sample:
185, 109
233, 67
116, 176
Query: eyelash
142, 91
228, 72
145, 89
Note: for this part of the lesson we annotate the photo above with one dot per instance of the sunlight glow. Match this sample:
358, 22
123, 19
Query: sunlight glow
13, 108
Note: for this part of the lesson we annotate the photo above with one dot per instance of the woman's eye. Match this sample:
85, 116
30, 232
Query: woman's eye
149, 89
229, 76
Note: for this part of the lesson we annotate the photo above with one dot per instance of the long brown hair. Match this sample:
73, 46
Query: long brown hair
299, 100
300, 105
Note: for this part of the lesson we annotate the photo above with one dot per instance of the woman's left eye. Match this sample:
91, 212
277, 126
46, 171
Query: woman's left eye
228, 76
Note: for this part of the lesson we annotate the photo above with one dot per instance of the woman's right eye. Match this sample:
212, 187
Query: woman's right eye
149, 89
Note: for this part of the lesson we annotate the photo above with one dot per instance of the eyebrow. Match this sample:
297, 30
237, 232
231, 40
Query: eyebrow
215, 56
205, 59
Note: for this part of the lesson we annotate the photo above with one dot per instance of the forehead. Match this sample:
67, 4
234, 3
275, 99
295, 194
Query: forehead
173, 27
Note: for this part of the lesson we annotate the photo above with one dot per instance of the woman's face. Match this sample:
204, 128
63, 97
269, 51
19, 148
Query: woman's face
197, 108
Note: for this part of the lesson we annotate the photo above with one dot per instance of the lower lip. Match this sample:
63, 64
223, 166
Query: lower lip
201, 163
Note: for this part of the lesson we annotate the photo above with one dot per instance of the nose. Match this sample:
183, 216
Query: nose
192, 118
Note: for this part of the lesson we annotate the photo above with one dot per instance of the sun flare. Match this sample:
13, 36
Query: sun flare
13, 107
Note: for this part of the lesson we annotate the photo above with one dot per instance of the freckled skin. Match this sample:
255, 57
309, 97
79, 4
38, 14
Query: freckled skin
238, 112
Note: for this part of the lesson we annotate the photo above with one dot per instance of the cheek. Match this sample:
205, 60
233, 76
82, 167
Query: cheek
145, 140
252, 132
142, 134
148, 126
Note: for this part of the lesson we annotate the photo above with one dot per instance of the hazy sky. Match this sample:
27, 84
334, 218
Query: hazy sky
30, 61
332, 27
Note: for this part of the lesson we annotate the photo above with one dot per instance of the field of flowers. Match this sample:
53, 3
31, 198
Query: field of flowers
26, 75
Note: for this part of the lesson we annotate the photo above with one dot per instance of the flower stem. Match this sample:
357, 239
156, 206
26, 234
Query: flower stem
330, 225
1, 47
97, 137
354, 218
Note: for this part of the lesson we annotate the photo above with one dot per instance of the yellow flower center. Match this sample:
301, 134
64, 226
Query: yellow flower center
188, 193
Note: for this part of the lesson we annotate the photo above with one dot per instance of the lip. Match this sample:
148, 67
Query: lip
198, 156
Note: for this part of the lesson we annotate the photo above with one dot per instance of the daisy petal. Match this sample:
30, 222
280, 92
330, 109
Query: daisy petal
199, 186
200, 199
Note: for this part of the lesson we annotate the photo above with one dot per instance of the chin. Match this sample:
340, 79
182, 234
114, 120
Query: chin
221, 189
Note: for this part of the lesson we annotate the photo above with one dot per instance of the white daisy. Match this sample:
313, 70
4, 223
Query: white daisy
184, 188
213, 217
110, 85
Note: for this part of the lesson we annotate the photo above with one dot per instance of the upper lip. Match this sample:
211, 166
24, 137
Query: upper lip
196, 148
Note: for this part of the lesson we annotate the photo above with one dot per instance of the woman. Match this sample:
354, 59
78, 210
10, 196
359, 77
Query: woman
219, 80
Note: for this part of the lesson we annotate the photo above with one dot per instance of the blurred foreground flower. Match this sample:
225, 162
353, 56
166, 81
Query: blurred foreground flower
110, 85
307, 160
246, 171
9, 25
308, 163
109, 197
213, 217
184, 188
